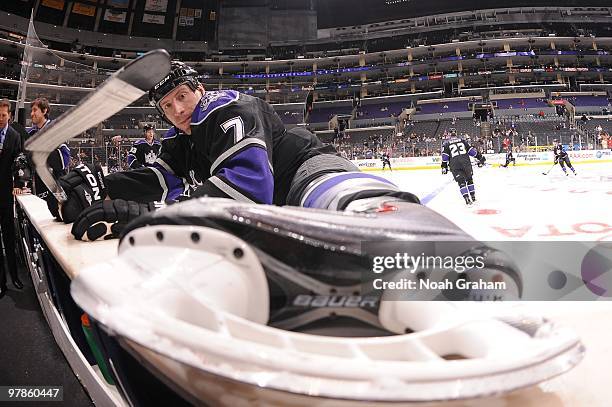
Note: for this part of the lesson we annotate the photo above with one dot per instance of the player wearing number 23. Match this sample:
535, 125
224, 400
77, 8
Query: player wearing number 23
456, 153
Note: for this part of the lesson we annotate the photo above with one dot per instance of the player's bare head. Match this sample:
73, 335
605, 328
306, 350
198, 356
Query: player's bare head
39, 111
5, 112
555, 142
148, 132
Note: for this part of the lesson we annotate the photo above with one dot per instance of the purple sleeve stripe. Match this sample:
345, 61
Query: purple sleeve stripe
248, 172
445, 157
174, 186
65, 155
472, 152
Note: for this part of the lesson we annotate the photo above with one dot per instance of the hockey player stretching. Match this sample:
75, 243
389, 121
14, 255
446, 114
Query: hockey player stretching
562, 157
226, 144
144, 151
456, 154
229, 145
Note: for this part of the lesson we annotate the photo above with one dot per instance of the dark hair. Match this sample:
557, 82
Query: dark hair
43, 104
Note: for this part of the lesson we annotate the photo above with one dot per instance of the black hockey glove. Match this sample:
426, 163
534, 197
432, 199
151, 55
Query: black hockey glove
22, 172
444, 167
481, 161
556, 160
84, 186
107, 219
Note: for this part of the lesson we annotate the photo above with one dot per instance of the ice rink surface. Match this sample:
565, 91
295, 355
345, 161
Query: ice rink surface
520, 203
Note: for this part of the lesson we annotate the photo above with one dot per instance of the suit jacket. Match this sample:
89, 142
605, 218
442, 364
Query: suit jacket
10, 150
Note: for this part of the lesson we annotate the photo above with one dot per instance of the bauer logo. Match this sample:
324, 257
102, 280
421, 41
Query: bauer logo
335, 301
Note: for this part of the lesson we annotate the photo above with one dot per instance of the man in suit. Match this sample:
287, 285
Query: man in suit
10, 147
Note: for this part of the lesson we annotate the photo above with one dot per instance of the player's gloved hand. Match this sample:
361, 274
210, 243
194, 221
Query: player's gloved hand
84, 185
556, 160
107, 219
481, 161
22, 170
444, 167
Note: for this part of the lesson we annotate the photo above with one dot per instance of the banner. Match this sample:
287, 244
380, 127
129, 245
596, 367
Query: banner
156, 5
186, 21
56, 4
153, 19
118, 3
190, 12
84, 9
115, 16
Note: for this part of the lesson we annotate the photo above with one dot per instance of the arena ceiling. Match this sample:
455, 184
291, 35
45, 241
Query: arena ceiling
340, 13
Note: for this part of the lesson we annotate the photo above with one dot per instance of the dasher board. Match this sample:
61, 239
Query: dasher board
71, 254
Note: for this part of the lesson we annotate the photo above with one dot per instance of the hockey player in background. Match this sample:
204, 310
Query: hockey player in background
509, 158
456, 153
144, 152
386, 161
562, 157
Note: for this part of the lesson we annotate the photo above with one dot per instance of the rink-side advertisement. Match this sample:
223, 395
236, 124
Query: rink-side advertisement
522, 159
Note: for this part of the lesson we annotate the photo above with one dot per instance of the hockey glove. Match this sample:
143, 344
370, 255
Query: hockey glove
23, 173
84, 186
481, 161
444, 167
108, 218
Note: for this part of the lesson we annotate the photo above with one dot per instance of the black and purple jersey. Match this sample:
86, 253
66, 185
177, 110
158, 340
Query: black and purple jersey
457, 152
58, 162
559, 152
143, 154
238, 148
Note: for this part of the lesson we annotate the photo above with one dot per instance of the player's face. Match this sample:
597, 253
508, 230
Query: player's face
149, 135
37, 116
178, 106
4, 116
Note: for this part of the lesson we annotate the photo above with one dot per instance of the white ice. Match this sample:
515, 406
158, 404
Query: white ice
520, 202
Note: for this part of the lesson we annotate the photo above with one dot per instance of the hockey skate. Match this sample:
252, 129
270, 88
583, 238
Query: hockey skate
232, 302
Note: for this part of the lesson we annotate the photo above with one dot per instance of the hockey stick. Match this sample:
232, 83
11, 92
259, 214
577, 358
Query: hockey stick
550, 169
122, 88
